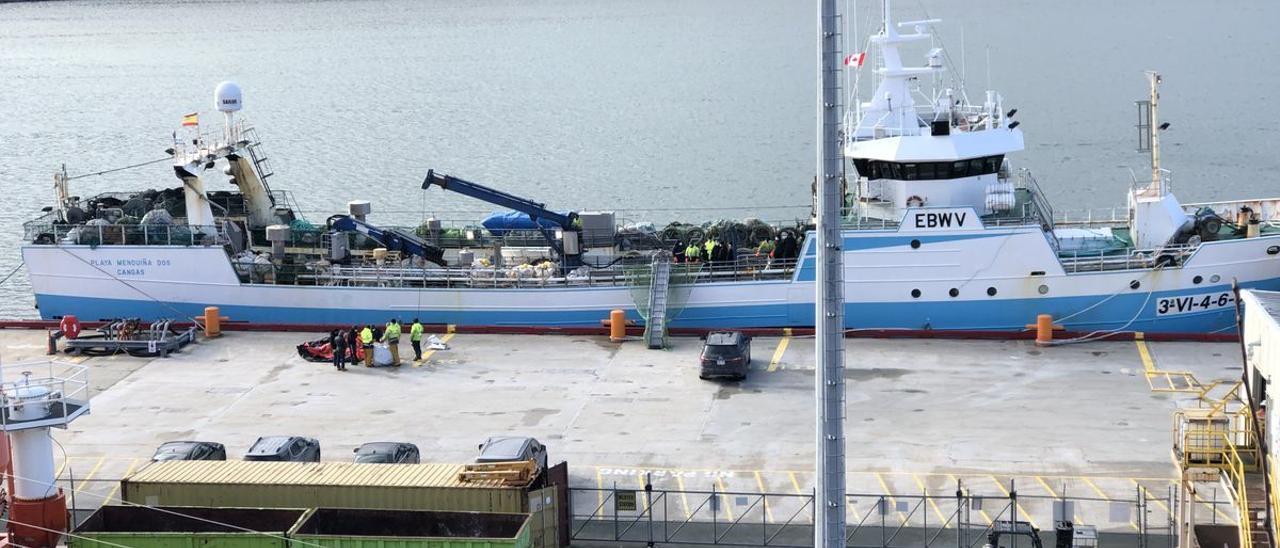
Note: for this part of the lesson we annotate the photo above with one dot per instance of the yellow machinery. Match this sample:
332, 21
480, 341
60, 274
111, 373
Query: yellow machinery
1216, 442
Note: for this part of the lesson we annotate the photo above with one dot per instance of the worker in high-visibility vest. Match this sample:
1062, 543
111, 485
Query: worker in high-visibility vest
710, 246
692, 253
391, 336
366, 341
415, 339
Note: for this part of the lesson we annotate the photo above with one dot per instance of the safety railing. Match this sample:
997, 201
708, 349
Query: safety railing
1221, 437
57, 391
125, 234
1172, 256
511, 277
640, 512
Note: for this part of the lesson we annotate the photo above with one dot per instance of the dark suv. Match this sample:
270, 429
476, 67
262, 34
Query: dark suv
284, 448
190, 450
725, 354
389, 452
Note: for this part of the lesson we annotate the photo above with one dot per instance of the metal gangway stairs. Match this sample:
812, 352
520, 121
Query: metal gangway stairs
655, 331
1216, 443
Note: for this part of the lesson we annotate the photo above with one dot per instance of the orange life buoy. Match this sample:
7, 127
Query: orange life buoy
915, 201
70, 326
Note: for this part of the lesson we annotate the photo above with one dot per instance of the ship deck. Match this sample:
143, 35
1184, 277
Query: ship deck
1086, 420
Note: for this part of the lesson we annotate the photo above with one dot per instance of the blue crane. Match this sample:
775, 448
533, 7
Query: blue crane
567, 246
393, 239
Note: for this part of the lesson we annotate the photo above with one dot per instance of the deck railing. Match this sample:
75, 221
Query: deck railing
1129, 259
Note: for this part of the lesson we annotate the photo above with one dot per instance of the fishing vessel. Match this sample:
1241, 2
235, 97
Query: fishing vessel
940, 234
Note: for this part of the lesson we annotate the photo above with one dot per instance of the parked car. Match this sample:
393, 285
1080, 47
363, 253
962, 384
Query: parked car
388, 452
725, 354
189, 450
513, 448
284, 448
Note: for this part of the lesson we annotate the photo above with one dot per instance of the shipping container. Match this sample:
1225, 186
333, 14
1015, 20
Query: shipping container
181, 527
352, 528
325, 484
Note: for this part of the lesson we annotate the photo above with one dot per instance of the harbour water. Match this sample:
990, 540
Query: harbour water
651, 107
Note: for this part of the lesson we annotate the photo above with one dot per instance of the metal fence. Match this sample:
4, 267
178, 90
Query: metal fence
959, 519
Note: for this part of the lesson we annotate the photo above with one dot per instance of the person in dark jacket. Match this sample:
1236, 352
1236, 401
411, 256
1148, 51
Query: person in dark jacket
353, 342
338, 344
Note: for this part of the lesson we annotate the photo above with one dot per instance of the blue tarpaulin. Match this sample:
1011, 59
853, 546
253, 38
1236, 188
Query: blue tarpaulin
501, 222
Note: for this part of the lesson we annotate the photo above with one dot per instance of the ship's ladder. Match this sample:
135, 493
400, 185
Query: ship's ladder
259, 158
655, 331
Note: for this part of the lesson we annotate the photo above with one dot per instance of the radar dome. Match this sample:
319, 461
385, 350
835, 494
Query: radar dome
227, 97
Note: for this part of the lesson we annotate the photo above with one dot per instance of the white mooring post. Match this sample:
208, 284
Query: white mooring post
829, 498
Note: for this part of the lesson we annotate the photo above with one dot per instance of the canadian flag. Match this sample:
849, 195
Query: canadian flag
855, 59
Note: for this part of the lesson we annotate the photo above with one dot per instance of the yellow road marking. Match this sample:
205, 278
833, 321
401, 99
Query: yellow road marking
85, 480
1021, 511
777, 353
728, 512
684, 497
768, 512
1214, 507
795, 484
1104, 496
600, 491
132, 465
647, 504
61, 467
925, 491
1158, 502
1054, 494
982, 512
427, 355
889, 497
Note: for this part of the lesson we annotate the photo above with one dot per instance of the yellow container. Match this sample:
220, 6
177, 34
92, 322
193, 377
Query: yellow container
243, 484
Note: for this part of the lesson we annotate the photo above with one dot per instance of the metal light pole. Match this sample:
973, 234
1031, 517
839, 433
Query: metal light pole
829, 501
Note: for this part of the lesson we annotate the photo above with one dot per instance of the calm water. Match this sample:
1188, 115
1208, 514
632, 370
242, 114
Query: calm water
656, 104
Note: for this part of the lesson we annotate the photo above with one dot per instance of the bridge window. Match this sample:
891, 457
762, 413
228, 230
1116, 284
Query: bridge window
928, 171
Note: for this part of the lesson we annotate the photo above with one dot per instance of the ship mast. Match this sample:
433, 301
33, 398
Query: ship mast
829, 496
1157, 181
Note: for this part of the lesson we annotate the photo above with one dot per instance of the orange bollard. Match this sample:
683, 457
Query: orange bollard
617, 325
1044, 329
212, 322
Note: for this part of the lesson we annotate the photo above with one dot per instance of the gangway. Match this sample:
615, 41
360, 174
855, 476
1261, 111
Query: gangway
655, 331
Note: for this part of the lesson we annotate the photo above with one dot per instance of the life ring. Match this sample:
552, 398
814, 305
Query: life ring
915, 201
70, 327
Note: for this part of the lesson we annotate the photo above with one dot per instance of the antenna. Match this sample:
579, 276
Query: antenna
988, 66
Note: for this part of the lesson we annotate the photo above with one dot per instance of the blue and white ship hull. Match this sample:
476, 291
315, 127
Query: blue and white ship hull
972, 279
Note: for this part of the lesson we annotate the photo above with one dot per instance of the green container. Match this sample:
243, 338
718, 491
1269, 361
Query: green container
185, 527
352, 528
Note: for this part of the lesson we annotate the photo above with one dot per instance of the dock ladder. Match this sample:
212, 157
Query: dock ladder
655, 331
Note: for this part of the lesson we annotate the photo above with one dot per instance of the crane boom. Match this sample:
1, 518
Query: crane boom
567, 247
535, 210
390, 238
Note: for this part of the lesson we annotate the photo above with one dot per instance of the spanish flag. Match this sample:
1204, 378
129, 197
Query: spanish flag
192, 119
